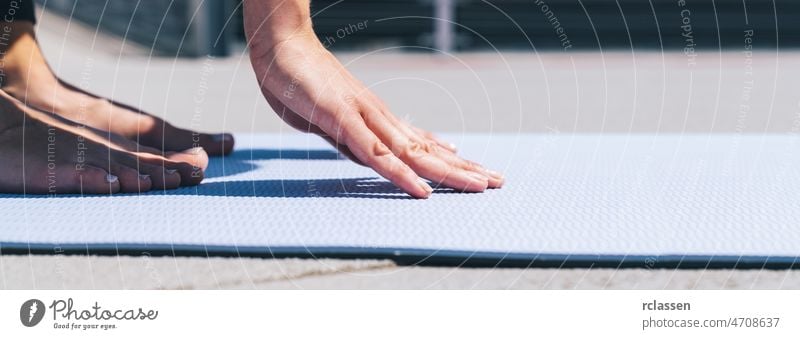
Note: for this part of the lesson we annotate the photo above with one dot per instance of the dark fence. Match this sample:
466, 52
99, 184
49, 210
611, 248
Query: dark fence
199, 27
591, 24
177, 27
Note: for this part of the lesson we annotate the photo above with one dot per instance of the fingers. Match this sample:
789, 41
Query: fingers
213, 144
430, 160
343, 149
375, 154
374, 140
447, 151
140, 172
407, 128
413, 131
159, 134
160, 178
495, 179
444, 150
185, 173
170, 171
176, 139
129, 179
197, 157
86, 179
428, 165
430, 136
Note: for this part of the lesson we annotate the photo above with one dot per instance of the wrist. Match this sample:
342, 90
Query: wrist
268, 26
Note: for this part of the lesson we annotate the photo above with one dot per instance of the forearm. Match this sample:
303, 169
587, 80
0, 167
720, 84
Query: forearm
269, 22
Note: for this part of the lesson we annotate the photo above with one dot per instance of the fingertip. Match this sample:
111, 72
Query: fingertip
114, 186
496, 183
496, 180
426, 189
477, 183
196, 156
219, 144
145, 183
96, 180
190, 175
172, 179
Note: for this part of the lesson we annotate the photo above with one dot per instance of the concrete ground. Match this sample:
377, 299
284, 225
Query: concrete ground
92, 272
620, 91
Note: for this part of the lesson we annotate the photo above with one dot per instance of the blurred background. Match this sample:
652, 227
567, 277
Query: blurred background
664, 66
194, 28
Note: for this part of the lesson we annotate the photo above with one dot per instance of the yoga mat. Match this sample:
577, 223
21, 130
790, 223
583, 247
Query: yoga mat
689, 201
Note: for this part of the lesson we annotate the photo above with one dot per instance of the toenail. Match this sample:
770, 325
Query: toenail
143, 177
171, 171
110, 178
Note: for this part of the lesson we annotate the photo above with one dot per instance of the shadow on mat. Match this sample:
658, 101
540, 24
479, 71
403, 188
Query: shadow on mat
373, 188
242, 161
365, 188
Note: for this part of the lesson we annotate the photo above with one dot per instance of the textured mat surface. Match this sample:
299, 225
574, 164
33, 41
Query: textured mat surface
570, 200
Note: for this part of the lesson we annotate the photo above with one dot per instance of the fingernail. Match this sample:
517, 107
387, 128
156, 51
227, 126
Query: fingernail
170, 171
452, 146
143, 177
500, 181
479, 177
495, 174
221, 137
424, 185
110, 178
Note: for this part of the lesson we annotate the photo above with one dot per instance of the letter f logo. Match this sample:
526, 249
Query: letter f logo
31, 312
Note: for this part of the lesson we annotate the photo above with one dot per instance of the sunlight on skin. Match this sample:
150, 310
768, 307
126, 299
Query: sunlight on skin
313, 92
29, 79
133, 151
55, 139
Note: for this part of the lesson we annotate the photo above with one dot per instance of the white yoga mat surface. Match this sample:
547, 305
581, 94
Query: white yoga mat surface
570, 200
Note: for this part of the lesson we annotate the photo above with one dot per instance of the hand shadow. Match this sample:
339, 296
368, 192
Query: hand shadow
242, 161
374, 188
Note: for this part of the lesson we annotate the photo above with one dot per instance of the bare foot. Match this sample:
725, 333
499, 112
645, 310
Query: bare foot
28, 78
42, 153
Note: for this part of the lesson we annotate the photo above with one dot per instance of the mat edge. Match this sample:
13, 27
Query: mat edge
415, 256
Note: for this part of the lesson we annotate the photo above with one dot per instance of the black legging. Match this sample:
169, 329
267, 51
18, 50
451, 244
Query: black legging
17, 10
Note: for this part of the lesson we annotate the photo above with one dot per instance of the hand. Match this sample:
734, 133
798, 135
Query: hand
313, 92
